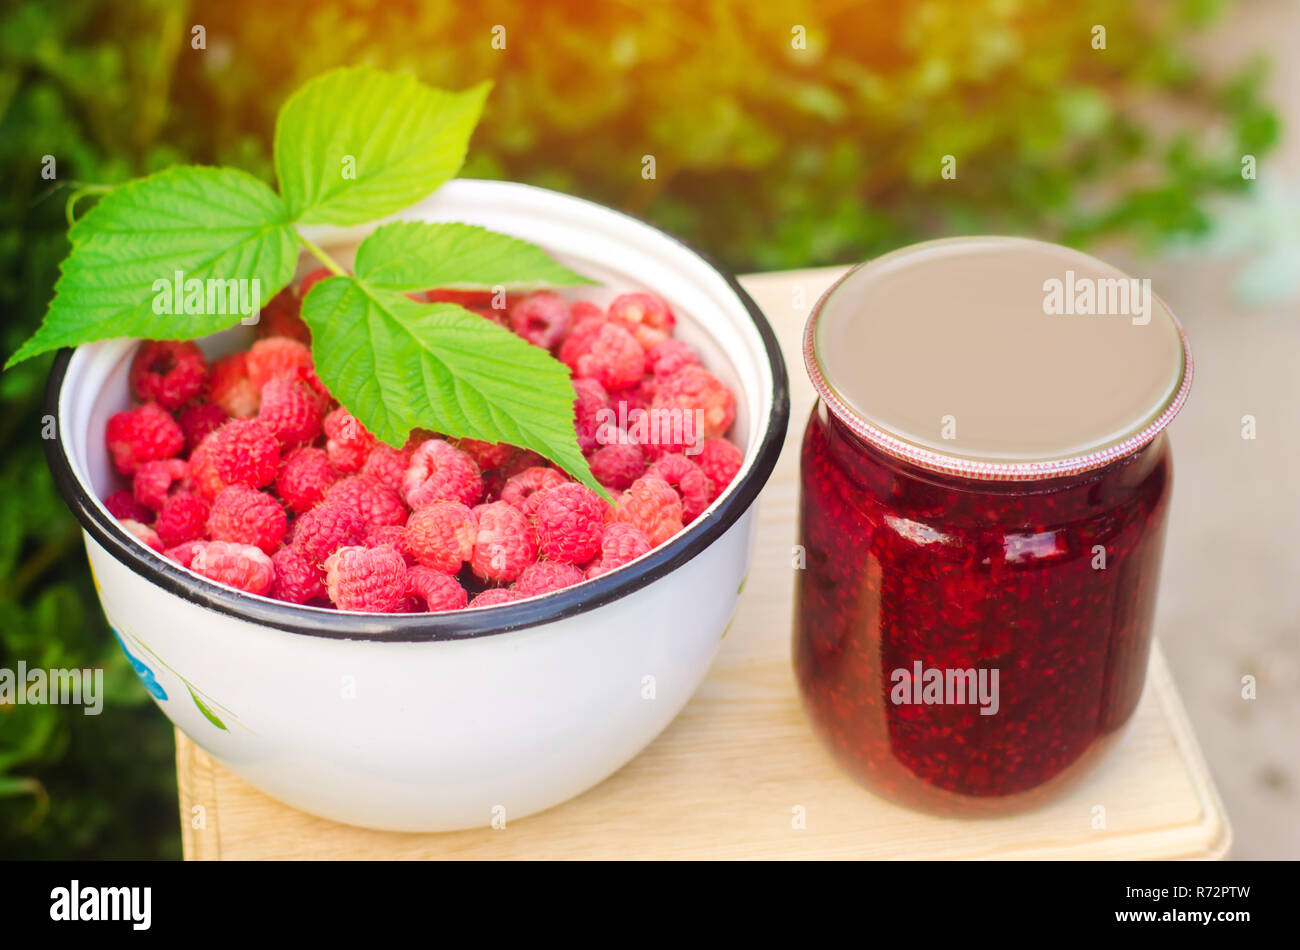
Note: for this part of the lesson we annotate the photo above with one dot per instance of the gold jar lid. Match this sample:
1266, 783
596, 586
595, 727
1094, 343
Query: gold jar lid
998, 357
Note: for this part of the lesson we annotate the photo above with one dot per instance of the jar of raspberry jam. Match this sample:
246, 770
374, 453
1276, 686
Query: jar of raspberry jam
985, 486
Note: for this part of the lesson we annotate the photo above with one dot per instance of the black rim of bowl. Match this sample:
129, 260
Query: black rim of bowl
470, 623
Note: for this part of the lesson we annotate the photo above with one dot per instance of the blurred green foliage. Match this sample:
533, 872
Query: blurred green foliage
766, 155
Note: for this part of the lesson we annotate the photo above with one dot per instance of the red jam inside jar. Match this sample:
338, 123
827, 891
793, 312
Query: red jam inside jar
973, 617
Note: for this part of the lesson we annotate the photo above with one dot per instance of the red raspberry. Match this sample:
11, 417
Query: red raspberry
304, 478
645, 316
388, 464
438, 591
441, 472
486, 455
618, 464
183, 554
198, 421
231, 389
278, 357
505, 543
580, 338
541, 318
634, 398
694, 388
469, 299
621, 544
590, 411
325, 529
291, 410
144, 434
242, 452
311, 279
720, 460
545, 577
376, 502
652, 505
145, 533
570, 519
665, 358
612, 357
241, 566
168, 373
441, 535
585, 310
349, 444
524, 490
153, 481
493, 596
123, 506
282, 317
184, 517
694, 487
248, 516
297, 580
372, 580
392, 535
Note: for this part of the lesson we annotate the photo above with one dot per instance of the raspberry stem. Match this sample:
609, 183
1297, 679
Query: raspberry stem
321, 256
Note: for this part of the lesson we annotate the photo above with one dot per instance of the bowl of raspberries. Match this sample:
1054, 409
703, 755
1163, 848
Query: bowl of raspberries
446, 633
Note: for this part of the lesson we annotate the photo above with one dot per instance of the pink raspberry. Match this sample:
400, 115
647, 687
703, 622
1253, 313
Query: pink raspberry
297, 580
580, 338
441, 472
652, 505
486, 455
144, 434
373, 580
278, 357
720, 460
198, 421
547, 576
145, 533
634, 398
438, 591
291, 410
123, 506
242, 452
618, 464
442, 534
646, 316
570, 520
304, 478
585, 310
247, 516
282, 316
183, 553
392, 535
622, 544
590, 410
541, 318
505, 543
168, 373
388, 464
241, 566
612, 357
348, 443
230, 388
694, 388
667, 357
694, 487
376, 502
493, 596
325, 529
154, 480
184, 517
524, 490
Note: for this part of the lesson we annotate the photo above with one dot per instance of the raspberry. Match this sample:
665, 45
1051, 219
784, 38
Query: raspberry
184, 517
375, 501
282, 317
585, 310
493, 596
278, 357
580, 338
297, 580
694, 388
438, 591
523, 491
694, 487
441, 472
349, 444
198, 421
247, 516
168, 373
612, 356
652, 505
541, 318
183, 554
505, 543
144, 434
590, 410
486, 455
145, 533
240, 566
621, 544
665, 358
393, 535
388, 464
291, 410
441, 535
304, 478
153, 481
618, 464
470, 299
634, 398
241, 452
570, 520
720, 460
123, 506
325, 529
646, 316
230, 388
372, 580
311, 279
545, 577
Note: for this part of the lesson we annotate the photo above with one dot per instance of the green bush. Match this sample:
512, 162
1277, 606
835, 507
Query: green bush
766, 155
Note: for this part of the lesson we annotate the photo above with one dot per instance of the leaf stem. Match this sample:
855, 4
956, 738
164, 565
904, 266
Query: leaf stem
321, 256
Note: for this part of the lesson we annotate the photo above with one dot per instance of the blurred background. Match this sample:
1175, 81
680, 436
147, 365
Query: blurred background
784, 135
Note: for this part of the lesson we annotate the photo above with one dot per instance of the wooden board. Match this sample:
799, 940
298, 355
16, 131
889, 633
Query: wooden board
729, 776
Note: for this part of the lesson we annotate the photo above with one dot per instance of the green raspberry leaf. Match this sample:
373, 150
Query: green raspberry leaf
416, 255
207, 223
357, 144
399, 365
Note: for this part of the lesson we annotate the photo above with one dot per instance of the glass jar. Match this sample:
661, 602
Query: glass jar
973, 617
